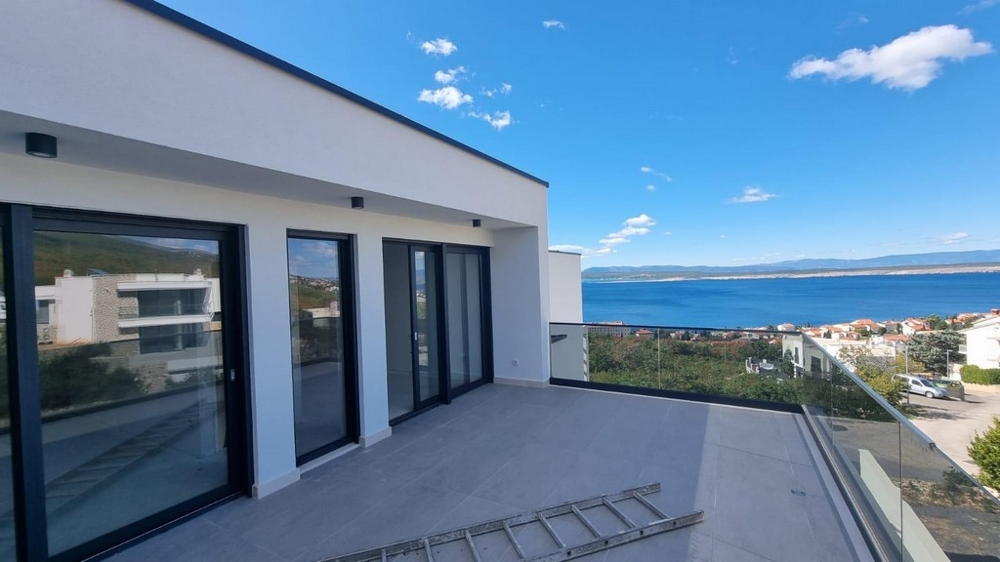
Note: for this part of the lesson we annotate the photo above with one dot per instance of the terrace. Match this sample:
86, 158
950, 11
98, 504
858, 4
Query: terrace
501, 450
801, 461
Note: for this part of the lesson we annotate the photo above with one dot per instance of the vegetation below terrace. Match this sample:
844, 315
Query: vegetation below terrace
716, 365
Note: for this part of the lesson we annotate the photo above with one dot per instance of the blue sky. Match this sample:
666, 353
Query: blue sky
690, 132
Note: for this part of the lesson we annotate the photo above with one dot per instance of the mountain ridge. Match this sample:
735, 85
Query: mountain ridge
972, 257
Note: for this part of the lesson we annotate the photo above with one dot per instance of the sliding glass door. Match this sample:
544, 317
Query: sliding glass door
413, 326
437, 323
467, 309
135, 361
323, 375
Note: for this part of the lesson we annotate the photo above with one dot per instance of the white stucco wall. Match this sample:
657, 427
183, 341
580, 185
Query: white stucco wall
565, 288
113, 68
520, 306
154, 119
982, 343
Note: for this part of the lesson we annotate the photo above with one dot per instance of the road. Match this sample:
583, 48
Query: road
952, 423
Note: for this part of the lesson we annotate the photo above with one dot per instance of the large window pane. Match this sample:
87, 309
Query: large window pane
7, 547
318, 362
465, 319
398, 329
131, 372
426, 291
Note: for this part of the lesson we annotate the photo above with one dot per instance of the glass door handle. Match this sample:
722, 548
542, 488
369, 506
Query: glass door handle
232, 375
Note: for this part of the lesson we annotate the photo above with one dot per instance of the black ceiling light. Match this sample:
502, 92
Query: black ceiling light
476, 223
43, 146
357, 202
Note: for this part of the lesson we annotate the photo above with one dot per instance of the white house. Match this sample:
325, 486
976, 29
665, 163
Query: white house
136, 141
982, 343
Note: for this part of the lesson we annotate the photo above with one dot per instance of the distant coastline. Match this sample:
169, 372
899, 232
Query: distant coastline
692, 276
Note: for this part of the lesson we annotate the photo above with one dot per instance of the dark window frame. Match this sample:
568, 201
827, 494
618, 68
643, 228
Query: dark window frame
349, 320
19, 223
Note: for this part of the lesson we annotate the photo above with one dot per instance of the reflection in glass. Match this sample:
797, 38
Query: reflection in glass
7, 546
314, 289
398, 331
133, 407
465, 325
426, 298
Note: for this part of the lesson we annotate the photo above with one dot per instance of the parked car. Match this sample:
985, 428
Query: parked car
920, 385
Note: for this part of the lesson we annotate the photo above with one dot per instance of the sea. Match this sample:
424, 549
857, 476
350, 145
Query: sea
749, 303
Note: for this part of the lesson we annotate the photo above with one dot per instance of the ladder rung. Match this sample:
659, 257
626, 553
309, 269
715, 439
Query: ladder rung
548, 527
614, 509
472, 547
513, 539
649, 505
427, 548
586, 522
604, 543
600, 542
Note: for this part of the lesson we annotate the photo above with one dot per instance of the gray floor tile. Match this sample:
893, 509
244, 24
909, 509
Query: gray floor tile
500, 450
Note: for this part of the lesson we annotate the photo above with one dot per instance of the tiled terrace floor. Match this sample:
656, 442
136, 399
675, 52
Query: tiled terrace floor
501, 450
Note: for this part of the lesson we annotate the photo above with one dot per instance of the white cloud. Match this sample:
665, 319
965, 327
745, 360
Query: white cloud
651, 171
981, 5
634, 226
641, 220
667, 233
851, 20
498, 120
450, 75
612, 240
448, 97
549, 24
504, 89
909, 62
567, 248
731, 58
651, 188
439, 46
752, 195
955, 238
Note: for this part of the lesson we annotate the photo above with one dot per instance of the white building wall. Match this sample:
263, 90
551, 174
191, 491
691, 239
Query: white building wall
519, 260
982, 343
74, 308
113, 68
565, 288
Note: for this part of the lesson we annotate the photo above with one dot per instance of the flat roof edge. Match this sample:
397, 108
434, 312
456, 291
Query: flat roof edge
229, 41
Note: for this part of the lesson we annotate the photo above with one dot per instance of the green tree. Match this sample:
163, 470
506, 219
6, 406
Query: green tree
937, 323
877, 372
936, 349
985, 451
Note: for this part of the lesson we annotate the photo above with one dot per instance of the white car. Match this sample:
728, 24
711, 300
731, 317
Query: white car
920, 385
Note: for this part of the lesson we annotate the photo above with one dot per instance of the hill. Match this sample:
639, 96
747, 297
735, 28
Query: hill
894, 262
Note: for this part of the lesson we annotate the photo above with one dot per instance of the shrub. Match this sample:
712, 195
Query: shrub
985, 451
975, 375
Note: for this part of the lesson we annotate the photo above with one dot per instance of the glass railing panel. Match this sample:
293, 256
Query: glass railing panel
945, 511
737, 364
914, 501
917, 502
569, 344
